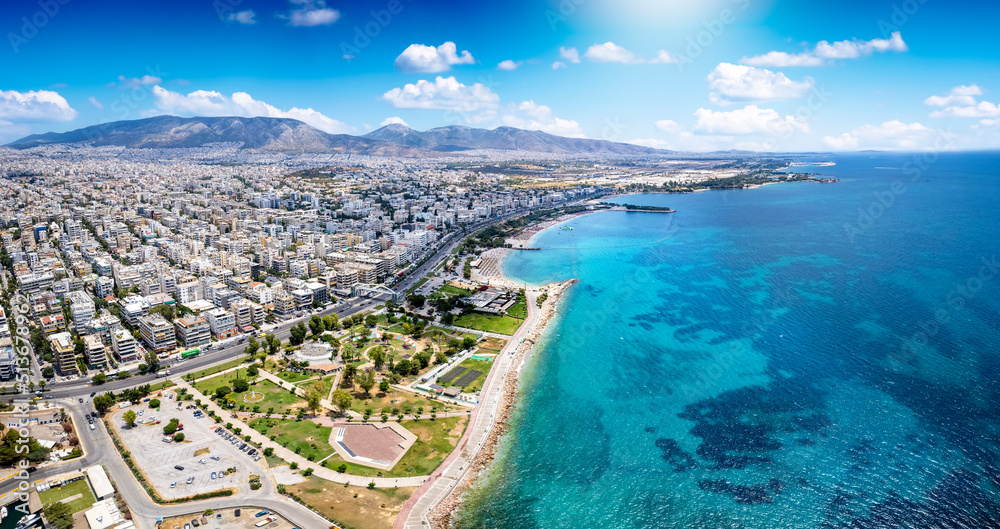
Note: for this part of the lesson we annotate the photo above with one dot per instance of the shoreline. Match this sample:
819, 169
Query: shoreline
491, 269
443, 513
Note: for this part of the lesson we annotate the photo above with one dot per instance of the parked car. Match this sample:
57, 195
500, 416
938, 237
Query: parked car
237, 513
265, 512
213, 475
178, 467
190, 480
215, 458
194, 523
173, 484
167, 439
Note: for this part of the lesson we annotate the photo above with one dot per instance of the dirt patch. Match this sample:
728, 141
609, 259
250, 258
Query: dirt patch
201, 452
371, 509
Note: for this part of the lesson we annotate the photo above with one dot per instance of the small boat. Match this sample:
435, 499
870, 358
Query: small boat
3, 513
29, 521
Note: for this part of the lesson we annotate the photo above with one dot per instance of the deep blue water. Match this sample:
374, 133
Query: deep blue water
768, 358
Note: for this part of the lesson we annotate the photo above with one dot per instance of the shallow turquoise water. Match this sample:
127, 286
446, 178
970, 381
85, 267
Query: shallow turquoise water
768, 358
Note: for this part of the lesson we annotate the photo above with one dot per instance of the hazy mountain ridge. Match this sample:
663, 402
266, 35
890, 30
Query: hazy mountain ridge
290, 135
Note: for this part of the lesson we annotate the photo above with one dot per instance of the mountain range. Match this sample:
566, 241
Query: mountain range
290, 135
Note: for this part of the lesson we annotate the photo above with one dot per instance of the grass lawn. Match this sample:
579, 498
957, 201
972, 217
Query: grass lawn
356, 507
323, 383
380, 402
280, 399
448, 334
435, 440
454, 291
294, 376
309, 438
489, 322
519, 309
215, 369
81, 487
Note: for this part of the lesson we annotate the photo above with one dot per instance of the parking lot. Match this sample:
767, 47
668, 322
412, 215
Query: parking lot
200, 454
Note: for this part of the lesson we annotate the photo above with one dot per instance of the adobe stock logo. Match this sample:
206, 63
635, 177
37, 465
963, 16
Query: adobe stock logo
30, 26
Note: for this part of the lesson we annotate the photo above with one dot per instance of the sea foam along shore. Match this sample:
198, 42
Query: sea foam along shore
441, 516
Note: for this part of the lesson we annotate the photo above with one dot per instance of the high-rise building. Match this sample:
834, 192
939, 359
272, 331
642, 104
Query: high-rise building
157, 333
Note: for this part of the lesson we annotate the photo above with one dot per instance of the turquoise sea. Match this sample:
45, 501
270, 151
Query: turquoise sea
798, 355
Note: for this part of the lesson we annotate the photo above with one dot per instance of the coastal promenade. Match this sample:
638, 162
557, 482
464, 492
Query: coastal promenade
455, 470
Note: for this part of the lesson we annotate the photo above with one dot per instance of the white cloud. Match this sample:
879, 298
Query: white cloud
35, 105
418, 58
508, 65
961, 102
210, 103
311, 13
243, 17
958, 96
663, 57
889, 135
570, 55
558, 64
610, 52
444, 93
93, 101
734, 83
134, 82
394, 120
747, 120
667, 125
531, 116
825, 51
780, 59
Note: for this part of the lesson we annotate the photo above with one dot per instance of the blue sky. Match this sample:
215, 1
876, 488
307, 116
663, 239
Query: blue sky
750, 74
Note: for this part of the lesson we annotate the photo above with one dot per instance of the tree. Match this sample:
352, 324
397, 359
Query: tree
154, 403
297, 334
152, 361
313, 396
348, 352
48, 372
171, 427
377, 356
342, 400
349, 373
273, 344
222, 391
252, 347
269, 451
316, 325
99, 379
371, 320
13, 449
468, 342
179, 436
403, 367
330, 322
252, 371
104, 402
417, 300
383, 386
59, 514
129, 416
239, 386
367, 381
